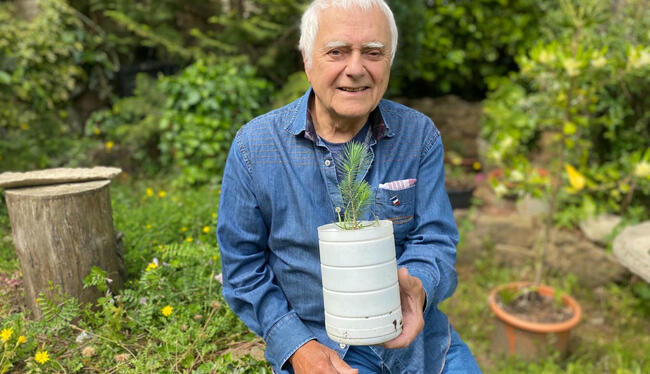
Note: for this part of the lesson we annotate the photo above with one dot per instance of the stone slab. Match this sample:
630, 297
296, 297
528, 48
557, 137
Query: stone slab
56, 176
632, 249
598, 229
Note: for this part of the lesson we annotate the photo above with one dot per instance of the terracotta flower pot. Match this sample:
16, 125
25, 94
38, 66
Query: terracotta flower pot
515, 336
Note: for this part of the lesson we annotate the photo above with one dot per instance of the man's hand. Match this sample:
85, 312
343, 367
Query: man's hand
412, 297
316, 358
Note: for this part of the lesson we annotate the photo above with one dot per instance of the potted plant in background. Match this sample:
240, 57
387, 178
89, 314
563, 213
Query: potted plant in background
461, 179
358, 265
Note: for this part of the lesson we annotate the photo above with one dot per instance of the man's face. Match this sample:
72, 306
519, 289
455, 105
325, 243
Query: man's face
351, 63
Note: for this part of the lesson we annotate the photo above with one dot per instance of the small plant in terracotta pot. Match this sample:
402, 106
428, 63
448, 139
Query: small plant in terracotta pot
358, 265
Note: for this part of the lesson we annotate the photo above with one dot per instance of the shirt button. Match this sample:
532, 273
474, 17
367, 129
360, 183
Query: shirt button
342, 346
328, 162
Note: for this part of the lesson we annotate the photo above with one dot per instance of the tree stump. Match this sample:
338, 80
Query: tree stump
60, 232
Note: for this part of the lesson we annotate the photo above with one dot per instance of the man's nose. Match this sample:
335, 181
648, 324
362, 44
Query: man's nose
355, 67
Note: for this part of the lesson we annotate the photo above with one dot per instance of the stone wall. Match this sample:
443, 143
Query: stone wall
457, 120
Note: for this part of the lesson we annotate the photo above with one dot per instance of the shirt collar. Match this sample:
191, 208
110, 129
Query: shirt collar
302, 124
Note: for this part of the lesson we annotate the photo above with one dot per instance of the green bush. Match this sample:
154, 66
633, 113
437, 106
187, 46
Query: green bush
44, 64
295, 87
579, 108
182, 123
453, 46
129, 132
206, 104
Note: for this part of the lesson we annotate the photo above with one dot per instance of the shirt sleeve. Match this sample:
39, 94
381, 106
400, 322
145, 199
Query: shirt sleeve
430, 247
249, 285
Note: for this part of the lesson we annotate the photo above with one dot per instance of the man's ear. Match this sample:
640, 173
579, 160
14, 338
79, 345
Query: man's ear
304, 62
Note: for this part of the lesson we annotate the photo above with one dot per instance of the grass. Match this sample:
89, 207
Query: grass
176, 228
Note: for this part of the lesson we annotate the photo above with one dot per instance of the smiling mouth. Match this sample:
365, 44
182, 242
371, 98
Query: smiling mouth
352, 89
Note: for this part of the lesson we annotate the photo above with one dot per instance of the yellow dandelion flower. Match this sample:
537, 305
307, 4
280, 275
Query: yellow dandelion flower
189, 239
148, 227
41, 357
5, 334
96, 131
151, 266
214, 215
24, 126
476, 165
149, 192
206, 229
109, 145
167, 311
162, 194
576, 179
214, 258
22, 339
183, 229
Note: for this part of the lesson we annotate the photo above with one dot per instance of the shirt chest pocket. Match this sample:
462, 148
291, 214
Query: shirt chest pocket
398, 207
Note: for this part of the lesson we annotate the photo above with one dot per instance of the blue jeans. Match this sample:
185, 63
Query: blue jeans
459, 359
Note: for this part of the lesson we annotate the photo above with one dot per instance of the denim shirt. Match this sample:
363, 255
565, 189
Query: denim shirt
279, 185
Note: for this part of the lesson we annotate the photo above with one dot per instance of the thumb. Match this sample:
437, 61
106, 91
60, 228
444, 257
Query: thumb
341, 366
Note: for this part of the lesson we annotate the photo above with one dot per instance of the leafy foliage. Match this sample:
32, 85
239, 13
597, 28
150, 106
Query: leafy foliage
579, 107
266, 32
184, 122
453, 46
206, 104
129, 132
355, 191
44, 64
296, 86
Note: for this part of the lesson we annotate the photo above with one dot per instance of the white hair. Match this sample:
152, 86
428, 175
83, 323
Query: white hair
309, 23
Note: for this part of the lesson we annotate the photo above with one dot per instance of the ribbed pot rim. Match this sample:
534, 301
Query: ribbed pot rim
535, 326
331, 232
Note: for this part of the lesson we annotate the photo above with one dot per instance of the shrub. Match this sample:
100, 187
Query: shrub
44, 63
453, 46
582, 98
184, 122
129, 132
206, 104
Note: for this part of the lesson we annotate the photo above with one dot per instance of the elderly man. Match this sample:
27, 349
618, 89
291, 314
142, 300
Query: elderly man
279, 185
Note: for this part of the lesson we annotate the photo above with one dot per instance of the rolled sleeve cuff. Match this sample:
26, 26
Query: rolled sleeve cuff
285, 337
428, 283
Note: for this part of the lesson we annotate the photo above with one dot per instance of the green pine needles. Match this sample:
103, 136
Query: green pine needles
355, 191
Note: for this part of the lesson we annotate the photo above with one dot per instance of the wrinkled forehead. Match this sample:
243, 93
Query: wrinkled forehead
337, 26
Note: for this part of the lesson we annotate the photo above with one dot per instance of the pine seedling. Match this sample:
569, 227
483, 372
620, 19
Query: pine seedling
355, 191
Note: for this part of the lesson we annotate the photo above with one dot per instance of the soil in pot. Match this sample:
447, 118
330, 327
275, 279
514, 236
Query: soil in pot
534, 307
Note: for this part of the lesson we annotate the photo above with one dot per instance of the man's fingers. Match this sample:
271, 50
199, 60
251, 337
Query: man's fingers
409, 333
341, 366
406, 281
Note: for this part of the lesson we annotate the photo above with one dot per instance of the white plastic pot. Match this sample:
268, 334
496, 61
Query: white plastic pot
360, 289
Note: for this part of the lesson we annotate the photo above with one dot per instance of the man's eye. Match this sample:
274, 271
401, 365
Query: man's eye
335, 52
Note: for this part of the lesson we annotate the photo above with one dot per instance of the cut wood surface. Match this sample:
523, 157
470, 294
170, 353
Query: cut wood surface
60, 232
56, 176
